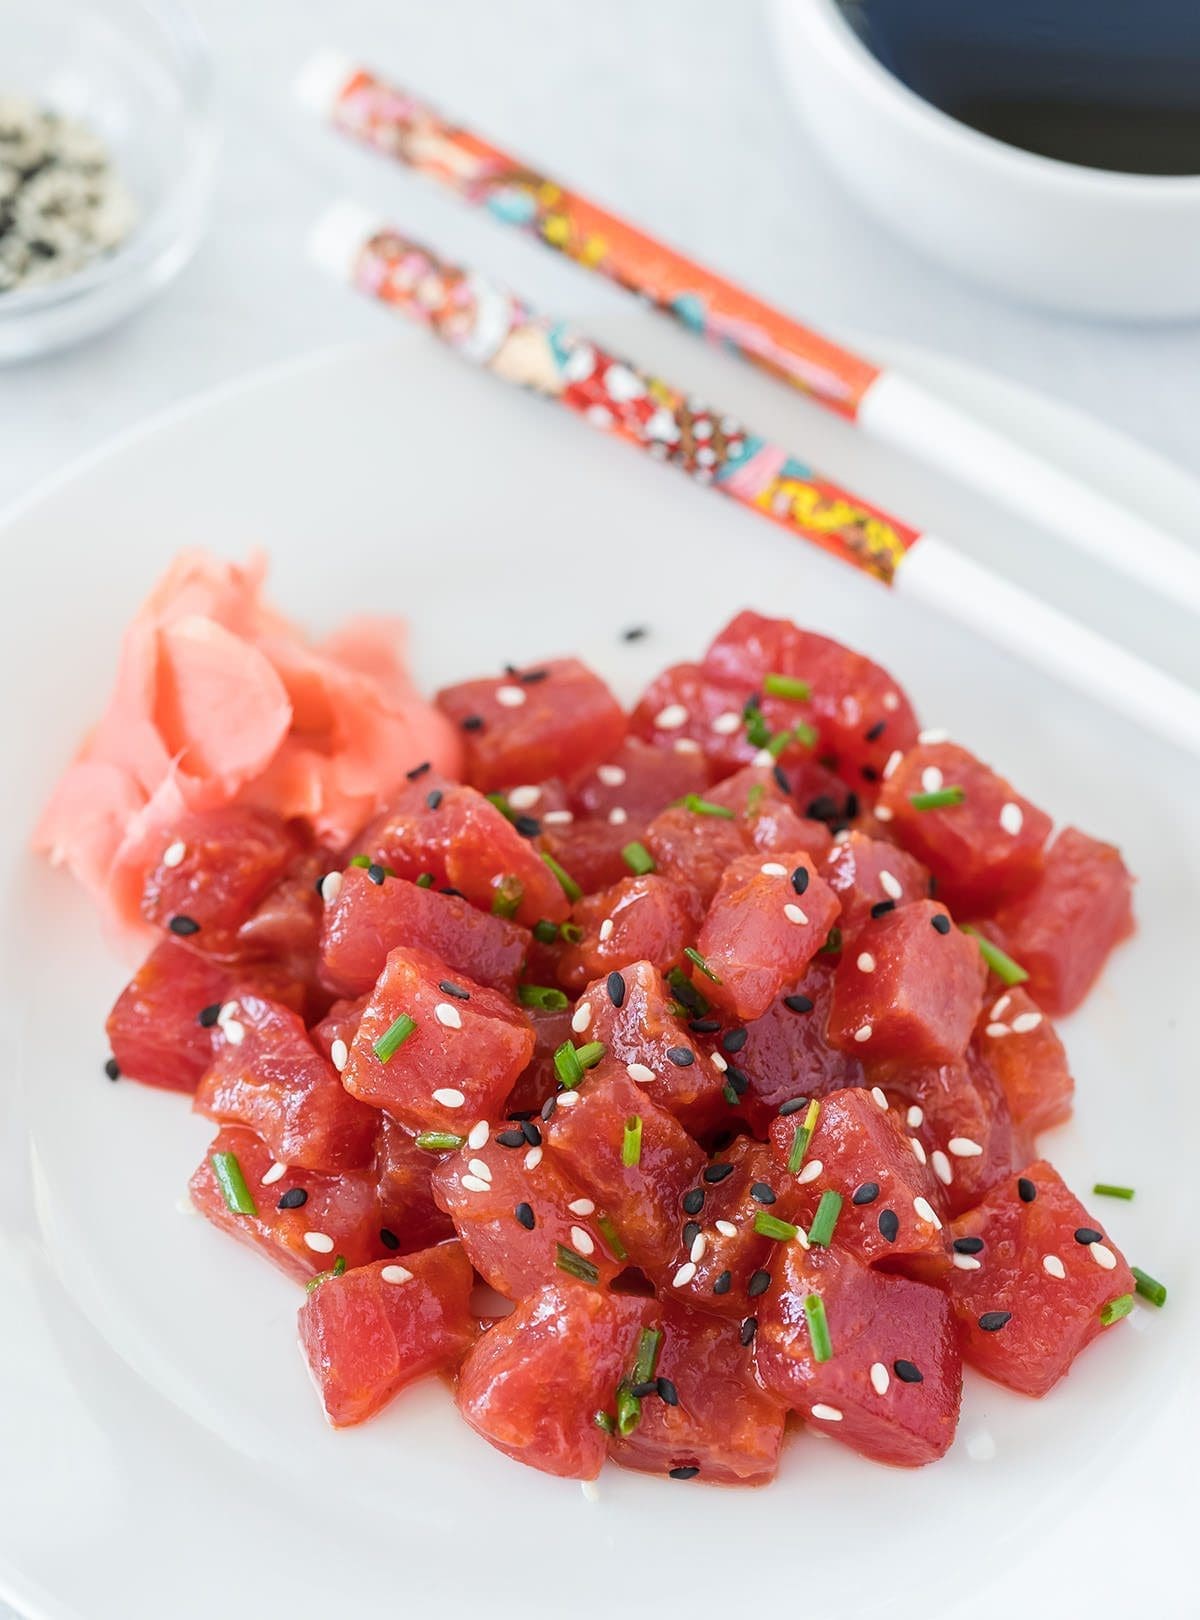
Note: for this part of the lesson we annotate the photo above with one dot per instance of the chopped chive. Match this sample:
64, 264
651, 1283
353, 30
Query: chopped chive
755, 798
238, 1197
602, 1420
638, 858
787, 686
571, 932
778, 743
826, 1218
1001, 964
631, 1142
394, 1037
502, 804
361, 860
818, 1327
833, 942
507, 896
575, 1265
545, 932
1148, 1287
693, 955
590, 1053
567, 1065
425, 881
438, 1141
1116, 1309
770, 1226
694, 1002
541, 995
645, 1363
629, 1410
803, 1136
1105, 1189
612, 1237
805, 734
335, 1270
941, 799
705, 807
758, 733
567, 883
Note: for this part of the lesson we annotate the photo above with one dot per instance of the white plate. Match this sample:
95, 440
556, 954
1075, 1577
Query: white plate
162, 1454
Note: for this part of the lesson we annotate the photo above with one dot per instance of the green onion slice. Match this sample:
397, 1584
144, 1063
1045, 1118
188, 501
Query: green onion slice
313, 1283
787, 686
541, 995
693, 955
571, 932
631, 1142
545, 932
394, 1037
608, 1231
438, 1141
238, 1197
826, 1218
575, 1265
603, 1420
705, 807
566, 882
803, 1137
941, 799
638, 858
818, 1327
1105, 1189
360, 860
629, 1410
770, 1226
1149, 1287
567, 1065
755, 798
425, 881
507, 897
1116, 1309
645, 1363
1002, 965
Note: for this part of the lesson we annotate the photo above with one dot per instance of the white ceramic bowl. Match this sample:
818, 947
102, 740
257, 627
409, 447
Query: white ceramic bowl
1083, 240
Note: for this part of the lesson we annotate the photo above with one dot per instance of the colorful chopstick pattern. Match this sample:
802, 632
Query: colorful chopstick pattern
490, 326
407, 129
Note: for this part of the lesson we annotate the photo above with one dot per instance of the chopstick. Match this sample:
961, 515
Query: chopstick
490, 326
885, 404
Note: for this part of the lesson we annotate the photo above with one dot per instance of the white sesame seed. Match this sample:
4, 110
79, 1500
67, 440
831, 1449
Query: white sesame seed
981, 1447
1054, 1266
996, 1030
810, 1170
611, 775
863, 1033
915, 1117
890, 701
967, 1262
1011, 818
719, 1062
686, 745
963, 1147
174, 853
942, 1168
1024, 1022
827, 1414
339, 1055
697, 1250
524, 798
764, 759
477, 1167
606, 928
234, 1032
618, 816
567, 1099
557, 818
395, 1274
582, 1206
640, 1073
274, 1174
882, 813
925, 1211
877, 1093
1001, 1006
582, 1241
448, 1015
866, 962
842, 836
891, 885
933, 734
932, 779
478, 1136
331, 887
918, 1150
1102, 1255
774, 869
726, 1228
684, 1275
510, 697
476, 1184
880, 1378
591, 1491
794, 914
581, 1017
449, 1097
229, 1009
726, 724
893, 763
533, 1158
671, 718
319, 1242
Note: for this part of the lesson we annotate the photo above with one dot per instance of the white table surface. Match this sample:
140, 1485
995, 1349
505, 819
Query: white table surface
668, 109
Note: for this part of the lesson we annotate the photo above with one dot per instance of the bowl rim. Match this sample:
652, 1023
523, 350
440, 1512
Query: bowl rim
828, 29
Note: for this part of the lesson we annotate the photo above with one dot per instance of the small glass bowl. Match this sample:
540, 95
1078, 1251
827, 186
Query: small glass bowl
137, 72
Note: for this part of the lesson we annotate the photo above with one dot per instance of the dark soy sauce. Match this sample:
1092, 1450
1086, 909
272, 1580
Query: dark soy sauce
1110, 84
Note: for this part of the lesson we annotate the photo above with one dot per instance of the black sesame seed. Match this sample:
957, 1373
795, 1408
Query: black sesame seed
418, 770
882, 907
667, 1391
112, 1069
511, 1139
648, 1386
457, 894
889, 1224
319, 884
798, 1004
294, 1198
852, 805
548, 1107
800, 879
1088, 1234
184, 925
968, 1245
941, 923
734, 1040
907, 1372
749, 1329
207, 1016
737, 1080
868, 773
761, 1193
376, 874
876, 731
704, 1026
682, 1473
525, 1217
434, 799
449, 988
681, 1056
866, 1193
511, 671
792, 1106
1026, 1190
823, 808
717, 1172
532, 1134
388, 1238
532, 676
691, 1232
781, 780
693, 1201
990, 1321
520, 1115
635, 632
616, 989
723, 1283
527, 826
759, 1282
473, 722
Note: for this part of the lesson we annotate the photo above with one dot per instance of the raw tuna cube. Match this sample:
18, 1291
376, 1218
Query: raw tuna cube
286, 923
981, 850
534, 1382
1062, 931
722, 1424
646, 918
642, 1198
694, 849
631, 1014
1021, 1047
454, 834
338, 1217
555, 720
683, 710
512, 1219
409, 1218
591, 850
906, 989
154, 1028
720, 1208
889, 1197
539, 1079
267, 1074
639, 779
1045, 1274
460, 1060
367, 919
767, 921
892, 1386
214, 869
866, 875
371, 1331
